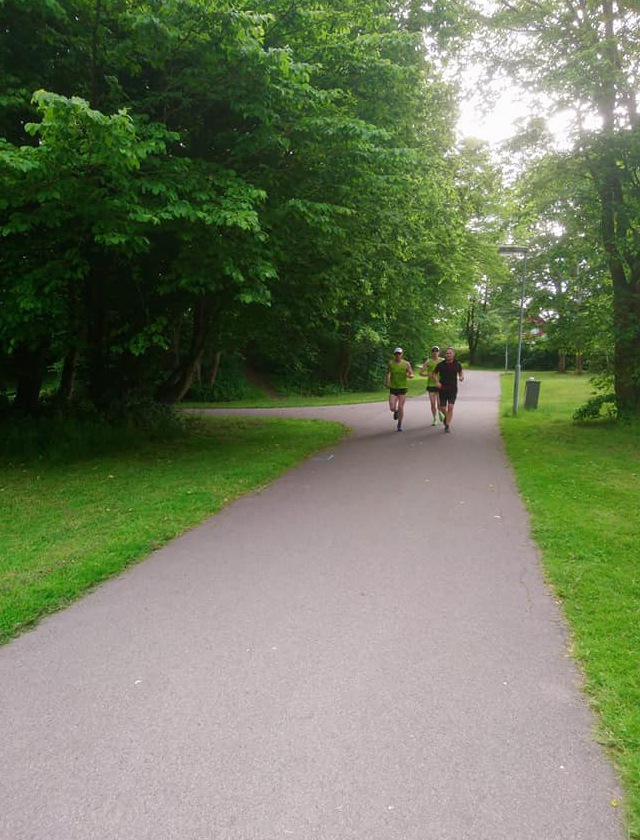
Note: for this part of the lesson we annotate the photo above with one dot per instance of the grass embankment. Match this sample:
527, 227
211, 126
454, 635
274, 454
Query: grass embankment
65, 526
416, 388
580, 483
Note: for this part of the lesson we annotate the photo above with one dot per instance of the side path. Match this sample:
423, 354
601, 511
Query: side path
365, 650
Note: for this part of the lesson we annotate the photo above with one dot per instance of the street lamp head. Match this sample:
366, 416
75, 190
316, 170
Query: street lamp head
513, 249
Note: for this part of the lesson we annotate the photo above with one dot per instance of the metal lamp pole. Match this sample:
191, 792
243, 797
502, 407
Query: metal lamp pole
517, 249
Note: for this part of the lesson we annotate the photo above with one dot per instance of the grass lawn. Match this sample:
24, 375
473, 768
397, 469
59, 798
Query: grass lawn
66, 526
581, 485
417, 387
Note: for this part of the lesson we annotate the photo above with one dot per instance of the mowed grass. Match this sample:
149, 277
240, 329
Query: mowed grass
66, 527
416, 388
581, 484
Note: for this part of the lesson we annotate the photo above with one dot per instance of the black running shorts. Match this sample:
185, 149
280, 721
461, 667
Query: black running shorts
448, 396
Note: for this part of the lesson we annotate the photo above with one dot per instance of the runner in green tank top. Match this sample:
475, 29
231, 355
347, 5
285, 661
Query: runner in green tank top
427, 369
398, 371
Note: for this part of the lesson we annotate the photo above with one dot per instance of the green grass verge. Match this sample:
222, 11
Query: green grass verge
64, 527
580, 483
417, 387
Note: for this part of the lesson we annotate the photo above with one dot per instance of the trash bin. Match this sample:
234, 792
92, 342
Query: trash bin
531, 392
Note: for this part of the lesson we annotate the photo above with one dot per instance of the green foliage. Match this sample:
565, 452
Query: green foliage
197, 175
592, 409
230, 384
585, 61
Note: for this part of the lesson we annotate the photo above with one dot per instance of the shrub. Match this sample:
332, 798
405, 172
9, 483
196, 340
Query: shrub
592, 409
231, 383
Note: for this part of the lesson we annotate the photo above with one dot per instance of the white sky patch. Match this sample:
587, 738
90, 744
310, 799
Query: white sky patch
493, 115
496, 125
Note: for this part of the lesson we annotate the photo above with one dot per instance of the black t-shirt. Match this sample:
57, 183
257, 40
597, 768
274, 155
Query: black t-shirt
449, 374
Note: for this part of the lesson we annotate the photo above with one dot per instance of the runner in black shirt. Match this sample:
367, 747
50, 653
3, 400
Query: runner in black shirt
449, 371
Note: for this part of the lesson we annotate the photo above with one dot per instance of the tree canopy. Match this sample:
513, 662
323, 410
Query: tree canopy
185, 178
188, 176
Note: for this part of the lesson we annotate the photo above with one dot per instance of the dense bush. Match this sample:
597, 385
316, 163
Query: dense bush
592, 409
230, 384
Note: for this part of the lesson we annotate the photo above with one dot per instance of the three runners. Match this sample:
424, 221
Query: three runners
442, 387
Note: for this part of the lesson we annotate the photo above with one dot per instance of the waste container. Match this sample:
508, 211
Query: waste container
531, 392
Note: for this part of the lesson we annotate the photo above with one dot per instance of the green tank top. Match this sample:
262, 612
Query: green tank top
431, 366
398, 378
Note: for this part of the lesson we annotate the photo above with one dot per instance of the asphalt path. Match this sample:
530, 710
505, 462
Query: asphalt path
364, 650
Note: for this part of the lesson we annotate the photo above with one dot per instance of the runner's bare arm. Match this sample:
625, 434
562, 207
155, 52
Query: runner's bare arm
409, 370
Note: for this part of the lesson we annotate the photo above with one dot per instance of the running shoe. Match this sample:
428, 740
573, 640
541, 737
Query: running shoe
395, 415
446, 428
399, 427
435, 421
441, 415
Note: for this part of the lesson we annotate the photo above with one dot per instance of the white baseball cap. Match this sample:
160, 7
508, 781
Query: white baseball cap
398, 350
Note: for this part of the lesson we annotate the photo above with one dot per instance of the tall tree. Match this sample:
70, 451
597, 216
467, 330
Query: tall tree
585, 58
570, 285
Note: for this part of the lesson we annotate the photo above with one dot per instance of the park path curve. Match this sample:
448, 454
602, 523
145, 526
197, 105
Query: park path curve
363, 650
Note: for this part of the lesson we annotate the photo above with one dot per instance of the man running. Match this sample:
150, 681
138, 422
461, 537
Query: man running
432, 389
398, 371
449, 372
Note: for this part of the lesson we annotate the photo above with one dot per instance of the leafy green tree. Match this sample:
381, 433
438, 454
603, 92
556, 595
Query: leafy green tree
201, 175
585, 59
570, 284
382, 163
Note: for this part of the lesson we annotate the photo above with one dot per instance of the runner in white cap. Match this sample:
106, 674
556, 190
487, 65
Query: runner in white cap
398, 371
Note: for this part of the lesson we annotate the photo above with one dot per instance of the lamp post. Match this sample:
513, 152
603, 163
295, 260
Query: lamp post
508, 250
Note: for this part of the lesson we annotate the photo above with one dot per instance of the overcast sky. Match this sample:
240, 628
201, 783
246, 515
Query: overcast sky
499, 123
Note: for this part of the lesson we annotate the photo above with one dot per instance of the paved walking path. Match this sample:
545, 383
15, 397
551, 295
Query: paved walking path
365, 650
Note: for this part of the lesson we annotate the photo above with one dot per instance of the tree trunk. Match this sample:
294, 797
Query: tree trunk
472, 330
625, 274
579, 363
345, 364
31, 365
176, 343
179, 381
68, 378
94, 54
626, 319
96, 318
215, 367
473, 347
615, 220
562, 361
